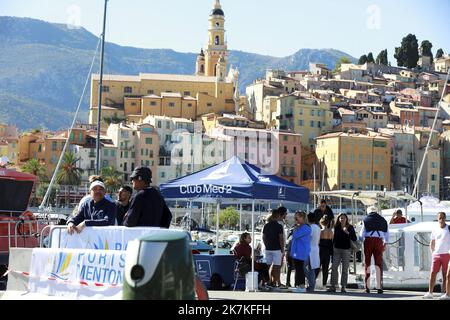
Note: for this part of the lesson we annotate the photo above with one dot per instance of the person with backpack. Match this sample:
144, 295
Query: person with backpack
375, 234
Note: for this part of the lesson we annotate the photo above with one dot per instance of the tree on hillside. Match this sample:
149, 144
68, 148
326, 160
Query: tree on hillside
69, 174
407, 54
340, 62
35, 167
439, 53
370, 58
382, 58
425, 47
362, 59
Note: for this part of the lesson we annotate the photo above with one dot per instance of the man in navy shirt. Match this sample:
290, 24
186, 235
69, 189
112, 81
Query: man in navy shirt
93, 213
148, 207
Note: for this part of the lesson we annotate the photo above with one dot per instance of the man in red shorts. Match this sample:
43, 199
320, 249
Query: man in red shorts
440, 246
375, 234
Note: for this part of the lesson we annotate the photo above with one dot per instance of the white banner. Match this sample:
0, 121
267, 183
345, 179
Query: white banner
99, 238
77, 274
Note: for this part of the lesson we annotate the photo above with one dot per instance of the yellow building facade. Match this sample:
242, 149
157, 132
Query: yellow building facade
9, 143
355, 161
47, 149
210, 90
308, 117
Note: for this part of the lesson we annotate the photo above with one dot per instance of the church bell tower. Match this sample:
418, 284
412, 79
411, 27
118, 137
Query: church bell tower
217, 46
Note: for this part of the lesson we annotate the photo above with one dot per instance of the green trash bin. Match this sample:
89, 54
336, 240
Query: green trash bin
159, 267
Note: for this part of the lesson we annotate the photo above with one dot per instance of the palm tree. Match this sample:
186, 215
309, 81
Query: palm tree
112, 179
69, 173
36, 168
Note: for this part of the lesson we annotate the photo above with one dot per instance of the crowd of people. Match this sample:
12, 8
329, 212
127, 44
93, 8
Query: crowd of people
146, 208
318, 239
314, 242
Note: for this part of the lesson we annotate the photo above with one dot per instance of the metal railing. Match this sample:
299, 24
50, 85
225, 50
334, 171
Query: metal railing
50, 236
17, 232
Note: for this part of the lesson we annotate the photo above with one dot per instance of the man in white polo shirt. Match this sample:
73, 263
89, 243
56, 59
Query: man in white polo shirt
440, 246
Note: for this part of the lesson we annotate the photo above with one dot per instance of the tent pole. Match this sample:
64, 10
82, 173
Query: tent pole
253, 243
202, 216
240, 217
406, 210
190, 215
217, 226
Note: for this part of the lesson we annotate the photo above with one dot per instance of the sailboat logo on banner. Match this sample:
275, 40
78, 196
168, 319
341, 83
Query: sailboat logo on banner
281, 193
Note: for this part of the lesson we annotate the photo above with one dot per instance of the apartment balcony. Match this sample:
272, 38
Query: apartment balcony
288, 174
131, 148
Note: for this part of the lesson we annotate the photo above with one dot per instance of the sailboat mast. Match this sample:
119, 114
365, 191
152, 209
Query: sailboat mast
100, 91
438, 109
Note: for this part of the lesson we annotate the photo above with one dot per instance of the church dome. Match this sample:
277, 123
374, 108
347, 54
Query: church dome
218, 12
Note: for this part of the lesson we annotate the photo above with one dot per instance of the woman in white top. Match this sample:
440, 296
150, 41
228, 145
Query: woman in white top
314, 257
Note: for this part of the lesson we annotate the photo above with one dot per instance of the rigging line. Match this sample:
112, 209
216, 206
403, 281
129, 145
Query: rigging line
431, 134
47, 193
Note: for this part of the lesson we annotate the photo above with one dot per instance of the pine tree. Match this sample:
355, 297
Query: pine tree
407, 54
426, 49
362, 59
382, 58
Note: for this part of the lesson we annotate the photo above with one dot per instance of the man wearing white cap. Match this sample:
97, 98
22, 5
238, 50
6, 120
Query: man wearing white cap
96, 212
375, 234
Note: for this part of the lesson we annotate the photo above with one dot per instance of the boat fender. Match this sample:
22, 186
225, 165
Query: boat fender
29, 224
200, 289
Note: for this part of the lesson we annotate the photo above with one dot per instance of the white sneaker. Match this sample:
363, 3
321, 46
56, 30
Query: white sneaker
444, 297
428, 295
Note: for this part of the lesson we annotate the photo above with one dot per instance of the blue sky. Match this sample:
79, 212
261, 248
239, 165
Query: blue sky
277, 28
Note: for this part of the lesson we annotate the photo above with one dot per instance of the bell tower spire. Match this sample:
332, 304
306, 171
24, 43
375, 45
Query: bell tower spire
217, 46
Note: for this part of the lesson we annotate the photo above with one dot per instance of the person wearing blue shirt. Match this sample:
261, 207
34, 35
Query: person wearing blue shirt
300, 250
96, 212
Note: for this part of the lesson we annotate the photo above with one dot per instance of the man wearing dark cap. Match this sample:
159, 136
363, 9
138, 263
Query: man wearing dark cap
375, 233
147, 207
323, 210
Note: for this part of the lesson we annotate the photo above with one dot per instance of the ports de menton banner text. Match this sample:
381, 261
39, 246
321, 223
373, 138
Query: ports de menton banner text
77, 273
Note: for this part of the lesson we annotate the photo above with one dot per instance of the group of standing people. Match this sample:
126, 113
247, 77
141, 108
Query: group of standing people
146, 208
318, 239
